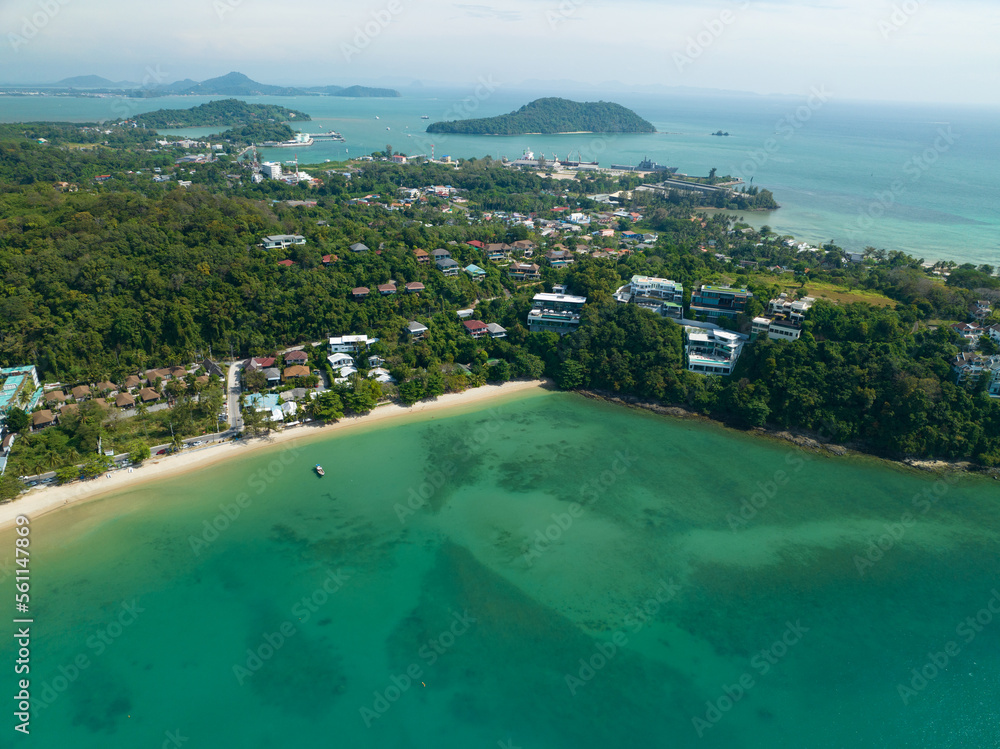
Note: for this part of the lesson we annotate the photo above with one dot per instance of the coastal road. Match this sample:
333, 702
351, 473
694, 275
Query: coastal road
233, 389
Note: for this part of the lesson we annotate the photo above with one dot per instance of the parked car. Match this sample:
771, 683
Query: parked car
161, 452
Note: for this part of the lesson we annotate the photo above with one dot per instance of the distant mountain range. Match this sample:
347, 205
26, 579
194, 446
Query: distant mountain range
232, 84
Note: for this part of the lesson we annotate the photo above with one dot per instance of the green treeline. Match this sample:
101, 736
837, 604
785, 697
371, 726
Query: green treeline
552, 115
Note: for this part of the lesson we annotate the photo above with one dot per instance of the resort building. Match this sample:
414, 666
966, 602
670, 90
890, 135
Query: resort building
477, 273
712, 351
19, 387
719, 301
271, 169
559, 313
659, 295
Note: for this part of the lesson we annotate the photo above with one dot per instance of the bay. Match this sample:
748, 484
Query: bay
549, 572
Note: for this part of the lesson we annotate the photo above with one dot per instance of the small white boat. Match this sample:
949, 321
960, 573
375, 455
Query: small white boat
319, 470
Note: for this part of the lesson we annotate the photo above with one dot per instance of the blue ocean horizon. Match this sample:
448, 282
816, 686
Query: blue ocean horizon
909, 177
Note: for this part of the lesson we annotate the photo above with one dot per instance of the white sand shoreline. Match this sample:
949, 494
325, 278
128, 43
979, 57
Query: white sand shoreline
42, 500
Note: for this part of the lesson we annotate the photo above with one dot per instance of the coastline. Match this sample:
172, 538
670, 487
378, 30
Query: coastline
799, 437
43, 500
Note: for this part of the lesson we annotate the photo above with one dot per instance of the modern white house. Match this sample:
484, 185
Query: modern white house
712, 351
776, 330
282, 241
794, 311
659, 295
559, 313
345, 343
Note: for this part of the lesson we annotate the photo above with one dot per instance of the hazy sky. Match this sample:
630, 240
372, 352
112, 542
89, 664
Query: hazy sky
905, 50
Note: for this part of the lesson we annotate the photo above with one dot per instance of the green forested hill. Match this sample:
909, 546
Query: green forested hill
552, 115
226, 112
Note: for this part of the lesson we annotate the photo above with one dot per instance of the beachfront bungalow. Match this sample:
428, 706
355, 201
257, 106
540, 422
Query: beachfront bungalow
296, 370
148, 395
81, 392
42, 419
124, 401
476, 328
132, 382
55, 396
106, 387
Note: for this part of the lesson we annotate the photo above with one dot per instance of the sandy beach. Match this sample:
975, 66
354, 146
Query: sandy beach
42, 500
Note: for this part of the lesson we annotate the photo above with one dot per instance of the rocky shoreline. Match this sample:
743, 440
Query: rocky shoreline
800, 437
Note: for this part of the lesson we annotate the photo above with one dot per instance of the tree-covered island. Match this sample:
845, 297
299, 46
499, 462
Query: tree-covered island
552, 115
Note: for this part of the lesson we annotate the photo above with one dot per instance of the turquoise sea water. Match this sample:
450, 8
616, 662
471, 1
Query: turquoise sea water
901, 177
442, 584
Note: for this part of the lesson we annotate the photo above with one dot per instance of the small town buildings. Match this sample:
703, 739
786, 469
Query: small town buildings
447, 266
524, 272
296, 357
416, 330
272, 375
557, 312
496, 331
476, 328
719, 301
659, 295
525, 246
282, 241
712, 351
